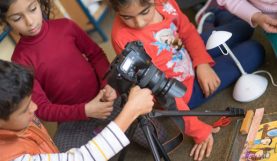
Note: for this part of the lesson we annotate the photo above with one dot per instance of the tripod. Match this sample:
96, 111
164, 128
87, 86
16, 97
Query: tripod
156, 147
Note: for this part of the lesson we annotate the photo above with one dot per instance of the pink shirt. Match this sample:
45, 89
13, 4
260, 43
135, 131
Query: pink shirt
245, 9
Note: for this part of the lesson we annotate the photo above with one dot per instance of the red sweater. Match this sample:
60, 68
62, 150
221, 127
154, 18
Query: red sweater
174, 63
68, 68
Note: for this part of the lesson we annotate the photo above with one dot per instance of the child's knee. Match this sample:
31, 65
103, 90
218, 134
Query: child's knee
254, 55
257, 50
253, 49
251, 55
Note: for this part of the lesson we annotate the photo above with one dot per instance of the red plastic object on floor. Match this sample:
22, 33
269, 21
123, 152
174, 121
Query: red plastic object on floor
223, 121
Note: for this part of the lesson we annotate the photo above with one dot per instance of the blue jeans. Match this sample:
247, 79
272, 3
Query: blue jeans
250, 54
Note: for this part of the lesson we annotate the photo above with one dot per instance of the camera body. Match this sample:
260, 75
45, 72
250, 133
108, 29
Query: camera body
134, 67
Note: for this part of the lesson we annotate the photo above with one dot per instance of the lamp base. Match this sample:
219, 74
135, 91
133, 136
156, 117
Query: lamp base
249, 87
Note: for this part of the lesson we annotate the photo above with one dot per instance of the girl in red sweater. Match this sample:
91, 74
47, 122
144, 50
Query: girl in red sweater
68, 68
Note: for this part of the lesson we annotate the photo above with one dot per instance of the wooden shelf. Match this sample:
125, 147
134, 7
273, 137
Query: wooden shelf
79, 12
76, 14
102, 8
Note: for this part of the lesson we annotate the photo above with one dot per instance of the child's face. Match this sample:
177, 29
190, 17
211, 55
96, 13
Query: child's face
25, 17
20, 118
137, 16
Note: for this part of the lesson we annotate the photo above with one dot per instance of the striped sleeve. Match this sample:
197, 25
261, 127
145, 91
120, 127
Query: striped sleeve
101, 148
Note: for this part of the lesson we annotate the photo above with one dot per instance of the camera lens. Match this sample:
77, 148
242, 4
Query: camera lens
155, 80
134, 66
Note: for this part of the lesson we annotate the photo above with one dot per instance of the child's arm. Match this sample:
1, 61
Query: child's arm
102, 147
96, 108
49, 111
201, 60
266, 22
207, 78
93, 53
251, 14
102, 105
112, 139
204, 149
199, 131
240, 8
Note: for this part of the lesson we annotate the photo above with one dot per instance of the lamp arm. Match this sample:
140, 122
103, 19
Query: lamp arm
222, 51
234, 58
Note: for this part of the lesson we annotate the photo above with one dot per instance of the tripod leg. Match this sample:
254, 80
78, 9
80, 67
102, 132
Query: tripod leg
155, 146
150, 141
153, 142
161, 149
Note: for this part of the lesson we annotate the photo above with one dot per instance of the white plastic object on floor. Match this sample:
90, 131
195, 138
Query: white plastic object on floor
249, 86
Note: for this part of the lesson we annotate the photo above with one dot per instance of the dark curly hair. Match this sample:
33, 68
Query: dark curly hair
117, 4
16, 83
5, 4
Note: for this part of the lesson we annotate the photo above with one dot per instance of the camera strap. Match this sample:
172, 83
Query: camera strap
170, 144
173, 143
170, 104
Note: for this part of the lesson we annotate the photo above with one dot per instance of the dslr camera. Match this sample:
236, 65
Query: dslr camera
134, 67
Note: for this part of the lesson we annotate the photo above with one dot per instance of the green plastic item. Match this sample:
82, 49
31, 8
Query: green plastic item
272, 38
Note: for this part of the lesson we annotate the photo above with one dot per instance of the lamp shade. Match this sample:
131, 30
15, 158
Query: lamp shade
217, 38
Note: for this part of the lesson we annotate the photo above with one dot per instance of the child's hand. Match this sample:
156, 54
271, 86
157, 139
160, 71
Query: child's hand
199, 150
96, 108
109, 94
140, 101
207, 78
266, 22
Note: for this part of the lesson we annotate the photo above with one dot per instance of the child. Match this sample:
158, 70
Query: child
23, 137
177, 49
257, 13
214, 17
68, 68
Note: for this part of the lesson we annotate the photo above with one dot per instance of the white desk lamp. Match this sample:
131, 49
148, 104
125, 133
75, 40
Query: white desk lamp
249, 86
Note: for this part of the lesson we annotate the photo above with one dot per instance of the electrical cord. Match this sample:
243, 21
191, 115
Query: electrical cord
270, 76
